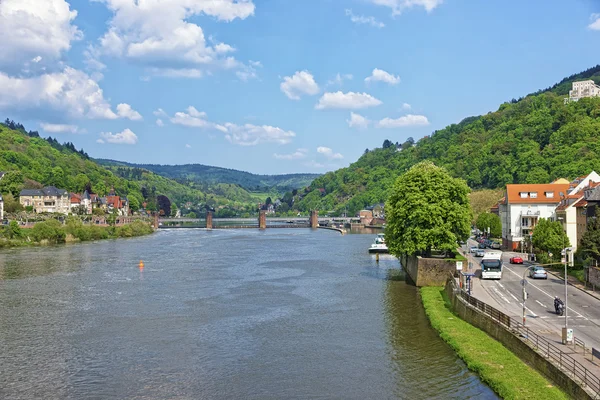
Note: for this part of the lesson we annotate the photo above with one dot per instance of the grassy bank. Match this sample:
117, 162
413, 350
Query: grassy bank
54, 232
499, 368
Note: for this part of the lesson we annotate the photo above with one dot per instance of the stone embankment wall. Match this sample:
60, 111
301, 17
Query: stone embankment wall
428, 271
514, 344
594, 276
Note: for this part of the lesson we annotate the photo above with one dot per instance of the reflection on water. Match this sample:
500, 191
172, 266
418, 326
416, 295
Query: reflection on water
281, 313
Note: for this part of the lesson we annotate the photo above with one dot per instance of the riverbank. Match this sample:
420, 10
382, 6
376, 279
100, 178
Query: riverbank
73, 230
499, 368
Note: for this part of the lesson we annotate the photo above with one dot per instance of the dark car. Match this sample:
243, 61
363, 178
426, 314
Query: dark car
481, 245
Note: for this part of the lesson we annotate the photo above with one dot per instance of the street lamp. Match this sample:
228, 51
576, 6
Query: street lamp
523, 282
565, 329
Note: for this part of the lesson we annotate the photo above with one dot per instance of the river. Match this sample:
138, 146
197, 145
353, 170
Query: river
223, 314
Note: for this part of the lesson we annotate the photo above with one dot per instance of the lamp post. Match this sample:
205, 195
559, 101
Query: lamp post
523, 282
565, 329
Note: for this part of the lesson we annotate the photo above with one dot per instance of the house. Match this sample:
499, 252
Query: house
379, 211
1, 207
116, 202
581, 89
366, 216
566, 213
524, 205
49, 199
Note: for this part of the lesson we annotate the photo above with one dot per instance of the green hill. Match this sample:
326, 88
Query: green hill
31, 161
207, 175
531, 140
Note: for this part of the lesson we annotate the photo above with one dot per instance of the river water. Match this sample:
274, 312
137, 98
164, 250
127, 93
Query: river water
223, 314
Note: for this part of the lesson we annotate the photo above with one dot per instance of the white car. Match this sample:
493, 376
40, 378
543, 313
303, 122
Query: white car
479, 252
473, 249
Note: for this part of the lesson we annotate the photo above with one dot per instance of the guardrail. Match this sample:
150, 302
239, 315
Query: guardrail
537, 342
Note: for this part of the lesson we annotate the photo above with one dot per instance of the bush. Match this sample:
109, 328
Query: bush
50, 230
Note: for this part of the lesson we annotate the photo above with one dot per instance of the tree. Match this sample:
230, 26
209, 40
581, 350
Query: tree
590, 241
427, 209
11, 205
12, 182
488, 220
387, 144
268, 201
191, 215
548, 236
134, 204
164, 205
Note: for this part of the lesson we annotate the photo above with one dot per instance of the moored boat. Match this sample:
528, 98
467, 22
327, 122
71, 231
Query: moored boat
379, 245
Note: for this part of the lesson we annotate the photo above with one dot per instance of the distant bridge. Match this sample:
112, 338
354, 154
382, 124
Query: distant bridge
262, 222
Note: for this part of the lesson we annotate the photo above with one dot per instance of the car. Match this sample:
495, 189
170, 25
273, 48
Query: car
516, 260
495, 245
538, 272
481, 245
479, 253
473, 249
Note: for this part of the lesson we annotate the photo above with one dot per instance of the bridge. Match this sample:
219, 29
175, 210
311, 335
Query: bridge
209, 222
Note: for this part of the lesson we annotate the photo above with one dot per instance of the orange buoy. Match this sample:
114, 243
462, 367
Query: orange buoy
141, 264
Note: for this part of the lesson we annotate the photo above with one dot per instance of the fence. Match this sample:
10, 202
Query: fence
537, 342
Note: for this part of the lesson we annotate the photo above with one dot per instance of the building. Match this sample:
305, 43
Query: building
49, 199
581, 89
523, 206
1, 207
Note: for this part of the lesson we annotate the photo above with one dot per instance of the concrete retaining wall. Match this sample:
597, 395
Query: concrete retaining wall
594, 276
516, 345
428, 271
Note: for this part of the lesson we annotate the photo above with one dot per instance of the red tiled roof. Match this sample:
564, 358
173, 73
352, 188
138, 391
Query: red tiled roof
580, 203
557, 189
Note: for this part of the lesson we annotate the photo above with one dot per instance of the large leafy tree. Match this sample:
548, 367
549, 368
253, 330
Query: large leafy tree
590, 241
491, 221
427, 209
549, 236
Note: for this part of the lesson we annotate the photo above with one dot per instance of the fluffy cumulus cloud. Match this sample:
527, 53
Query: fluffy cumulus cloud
125, 111
406, 106
361, 19
125, 137
398, 6
349, 101
70, 92
34, 34
302, 82
297, 155
379, 75
59, 128
407, 120
160, 36
243, 135
160, 122
357, 121
328, 153
595, 24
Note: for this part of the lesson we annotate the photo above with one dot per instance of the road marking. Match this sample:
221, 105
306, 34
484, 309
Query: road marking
501, 295
531, 312
541, 304
513, 296
499, 284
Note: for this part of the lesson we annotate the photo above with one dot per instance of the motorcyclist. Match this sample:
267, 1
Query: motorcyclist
557, 303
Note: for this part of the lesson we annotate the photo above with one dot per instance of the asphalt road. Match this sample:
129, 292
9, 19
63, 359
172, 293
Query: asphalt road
583, 310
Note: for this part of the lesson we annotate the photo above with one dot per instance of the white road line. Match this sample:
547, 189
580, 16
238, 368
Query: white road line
541, 304
501, 295
499, 284
513, 296
531, 312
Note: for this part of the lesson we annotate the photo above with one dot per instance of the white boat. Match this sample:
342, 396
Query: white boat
379, 245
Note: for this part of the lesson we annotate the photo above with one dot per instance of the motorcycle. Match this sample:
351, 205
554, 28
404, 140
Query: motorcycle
560, 309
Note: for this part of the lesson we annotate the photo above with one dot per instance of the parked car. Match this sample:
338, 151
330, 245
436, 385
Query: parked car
495, 245
479, 253
538, 272
516, 260
473, 249
481, 245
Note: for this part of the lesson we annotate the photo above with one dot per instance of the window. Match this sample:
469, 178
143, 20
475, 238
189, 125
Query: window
549, 194
523, 195
533, 195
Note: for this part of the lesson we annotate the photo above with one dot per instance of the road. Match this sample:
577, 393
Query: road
506, 295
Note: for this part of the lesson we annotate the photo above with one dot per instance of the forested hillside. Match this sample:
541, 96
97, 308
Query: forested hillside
533, 140
208, 176
31, 162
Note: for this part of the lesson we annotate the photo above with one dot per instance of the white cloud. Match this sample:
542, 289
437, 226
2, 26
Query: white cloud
59, 128
192, 118
406, 106
397, 6
251, 135
247, 72
160, 122
339, 79
407, 120
361, 19
125, 137
297, 155
382, 76
71, 91
328, 153
160, 36
302, 82
357, 121
34, 30
124, 110
350, 100
159, 112
595, 25
187, 146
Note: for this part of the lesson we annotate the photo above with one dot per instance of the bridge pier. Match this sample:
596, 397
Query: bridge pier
155, 221
209, 224
314, 219
262, 220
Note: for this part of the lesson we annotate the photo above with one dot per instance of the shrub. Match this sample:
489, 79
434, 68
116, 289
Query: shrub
50, 230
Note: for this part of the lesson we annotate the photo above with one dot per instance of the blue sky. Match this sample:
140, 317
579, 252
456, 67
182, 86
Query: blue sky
276, 86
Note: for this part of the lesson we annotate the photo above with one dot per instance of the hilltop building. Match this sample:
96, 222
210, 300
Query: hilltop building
49, 199
583, 89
